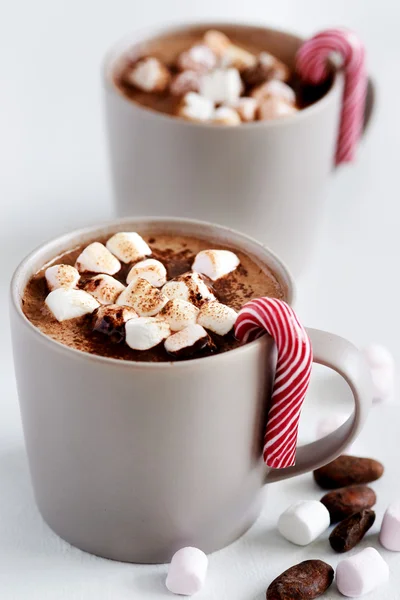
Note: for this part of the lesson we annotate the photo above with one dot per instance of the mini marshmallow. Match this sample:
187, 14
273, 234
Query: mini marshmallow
217, 317
196, 108
187, 572
146, 332
199, 58
110, 320
104, 288
96, 258
221, 86
149, 75
151, 270
217, 41
185, 82
302, 523
128, 246
275, 108
215, 263
361, 573
61, 276
70, 304
390, 531
279, 71
382, 368
225, 115
143, 297
238, 57
187, 341
246, 108
190, 287
179, 313
276, 89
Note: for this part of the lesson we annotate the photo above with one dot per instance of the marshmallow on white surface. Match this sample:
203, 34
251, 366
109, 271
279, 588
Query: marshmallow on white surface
128, 246
104, 288
361, 573
61, 276
215, 263
69, 304
225, 115
187, 571
382, 366
179, 313
146, 332
390, 530
276, 89
275, 108
199, 58
187, 341
303, 522
96, 258
221, 86
151, 270
217, 317
143, 297
149, 75
190, 287
196, 107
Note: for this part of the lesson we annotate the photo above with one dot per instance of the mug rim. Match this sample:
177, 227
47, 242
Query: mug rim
181, 26
15, 298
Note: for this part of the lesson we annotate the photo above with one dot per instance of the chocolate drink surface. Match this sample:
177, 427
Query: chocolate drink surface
99, 331
233, 76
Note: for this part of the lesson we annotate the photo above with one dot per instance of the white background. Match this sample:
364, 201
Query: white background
54, 176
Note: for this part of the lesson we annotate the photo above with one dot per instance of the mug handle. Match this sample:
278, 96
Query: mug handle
343, 357
369, 104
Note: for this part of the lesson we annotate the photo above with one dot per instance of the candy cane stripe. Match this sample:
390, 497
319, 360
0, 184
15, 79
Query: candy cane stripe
292, 376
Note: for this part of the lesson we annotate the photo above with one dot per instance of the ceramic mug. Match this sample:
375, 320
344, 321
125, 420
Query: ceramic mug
264, 178
133, 460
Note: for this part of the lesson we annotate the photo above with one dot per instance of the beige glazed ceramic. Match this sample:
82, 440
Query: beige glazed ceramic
264, 178
132, 461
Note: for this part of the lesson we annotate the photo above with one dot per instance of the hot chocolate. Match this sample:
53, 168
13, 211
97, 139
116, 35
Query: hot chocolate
152, 298
209, 76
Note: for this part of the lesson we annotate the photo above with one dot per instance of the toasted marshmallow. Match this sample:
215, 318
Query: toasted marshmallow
110, 320
151, 270
143, 297
217, 41
225, 115
149, 75
246, 108
69, 304
217, 317
128, 246
95, 258
196, 108
276, 89
188, 341
104, 288
190, 287
185, 82
228, 53
267, 68
146, 332
275, 108
215, 263
61, 276
179, 313
199, 58
221, 86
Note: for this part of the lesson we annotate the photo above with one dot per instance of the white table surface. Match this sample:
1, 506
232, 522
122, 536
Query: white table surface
54, 177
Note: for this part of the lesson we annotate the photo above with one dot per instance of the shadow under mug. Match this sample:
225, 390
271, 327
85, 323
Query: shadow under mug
264, 178
132, 461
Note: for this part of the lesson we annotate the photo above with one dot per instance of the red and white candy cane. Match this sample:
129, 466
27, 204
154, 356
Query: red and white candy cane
292, 376
312, 66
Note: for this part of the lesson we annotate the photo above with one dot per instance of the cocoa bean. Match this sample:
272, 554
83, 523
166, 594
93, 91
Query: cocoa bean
345, 502
349, 532
305, 581
348, 470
